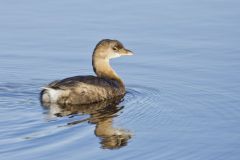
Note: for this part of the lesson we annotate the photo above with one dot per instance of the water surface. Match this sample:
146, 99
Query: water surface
183, 83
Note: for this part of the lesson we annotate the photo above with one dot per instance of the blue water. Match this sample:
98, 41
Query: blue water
183, 82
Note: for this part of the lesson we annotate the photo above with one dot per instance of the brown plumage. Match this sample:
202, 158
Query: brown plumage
90, 89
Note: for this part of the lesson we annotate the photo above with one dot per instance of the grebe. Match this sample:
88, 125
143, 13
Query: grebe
90, 89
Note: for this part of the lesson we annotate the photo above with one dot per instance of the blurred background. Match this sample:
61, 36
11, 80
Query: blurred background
183, 81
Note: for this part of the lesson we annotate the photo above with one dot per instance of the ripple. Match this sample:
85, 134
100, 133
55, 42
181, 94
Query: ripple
140, 102
175, 106
172, 115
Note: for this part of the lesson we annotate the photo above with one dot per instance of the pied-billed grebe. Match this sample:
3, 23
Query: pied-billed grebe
90, 89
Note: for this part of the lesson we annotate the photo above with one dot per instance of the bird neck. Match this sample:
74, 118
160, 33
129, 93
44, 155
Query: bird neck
103, 69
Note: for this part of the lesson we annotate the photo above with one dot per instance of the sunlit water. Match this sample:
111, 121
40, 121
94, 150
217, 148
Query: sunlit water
183, 82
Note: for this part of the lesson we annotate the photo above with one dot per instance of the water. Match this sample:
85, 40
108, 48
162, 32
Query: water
183, 82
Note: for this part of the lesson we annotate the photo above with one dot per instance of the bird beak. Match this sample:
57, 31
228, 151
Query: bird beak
126, 52
129, 53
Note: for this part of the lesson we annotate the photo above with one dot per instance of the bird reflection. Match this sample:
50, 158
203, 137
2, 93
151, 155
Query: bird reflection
101, 114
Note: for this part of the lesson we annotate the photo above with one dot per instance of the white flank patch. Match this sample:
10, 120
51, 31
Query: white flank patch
53, 94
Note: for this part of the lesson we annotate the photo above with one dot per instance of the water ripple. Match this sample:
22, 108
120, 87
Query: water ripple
146, 113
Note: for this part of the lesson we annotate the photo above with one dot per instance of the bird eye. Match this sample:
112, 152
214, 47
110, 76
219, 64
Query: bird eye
115, 48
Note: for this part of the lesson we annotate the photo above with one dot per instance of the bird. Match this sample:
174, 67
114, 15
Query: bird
90, 89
